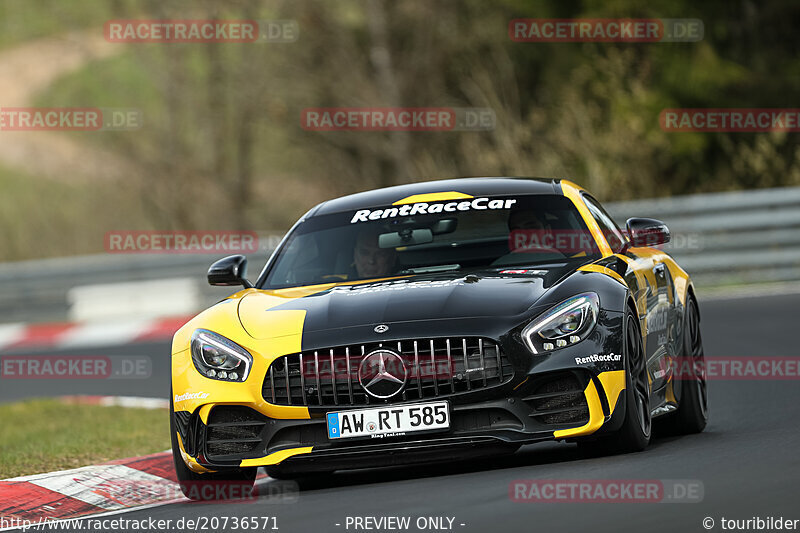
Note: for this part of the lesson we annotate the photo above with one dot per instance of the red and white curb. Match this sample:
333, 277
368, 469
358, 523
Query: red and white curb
118, 485
87, 335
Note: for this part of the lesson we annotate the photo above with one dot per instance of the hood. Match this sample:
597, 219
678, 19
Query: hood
424, 297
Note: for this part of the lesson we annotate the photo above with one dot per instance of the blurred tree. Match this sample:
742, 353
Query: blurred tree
223, 145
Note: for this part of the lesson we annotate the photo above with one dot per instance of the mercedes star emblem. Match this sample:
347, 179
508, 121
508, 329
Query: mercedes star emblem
382, 374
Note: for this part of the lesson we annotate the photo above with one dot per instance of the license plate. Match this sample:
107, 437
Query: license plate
388, 421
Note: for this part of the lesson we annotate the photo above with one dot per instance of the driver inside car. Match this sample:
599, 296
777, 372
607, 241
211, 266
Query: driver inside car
529, 236
369, 259
529, 231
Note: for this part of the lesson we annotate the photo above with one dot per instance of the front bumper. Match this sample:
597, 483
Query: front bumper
551, 397
550, 406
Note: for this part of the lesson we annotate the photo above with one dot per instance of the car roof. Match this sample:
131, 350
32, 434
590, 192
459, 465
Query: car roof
487, 186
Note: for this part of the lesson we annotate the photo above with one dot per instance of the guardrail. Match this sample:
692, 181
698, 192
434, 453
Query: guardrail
720, 238
731, 237
42, 291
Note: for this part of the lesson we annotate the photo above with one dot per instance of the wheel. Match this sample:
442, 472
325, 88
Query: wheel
692, 413
228, 484
634, 435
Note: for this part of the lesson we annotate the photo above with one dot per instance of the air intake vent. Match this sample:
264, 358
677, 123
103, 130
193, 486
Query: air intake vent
559, 400
233, 430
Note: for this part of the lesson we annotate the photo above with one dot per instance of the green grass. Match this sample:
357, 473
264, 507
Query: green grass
46, 435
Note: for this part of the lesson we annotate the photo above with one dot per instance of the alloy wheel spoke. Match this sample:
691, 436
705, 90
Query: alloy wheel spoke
698, 358
638, 370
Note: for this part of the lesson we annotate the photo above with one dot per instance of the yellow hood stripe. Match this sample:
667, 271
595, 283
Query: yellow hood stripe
603, 270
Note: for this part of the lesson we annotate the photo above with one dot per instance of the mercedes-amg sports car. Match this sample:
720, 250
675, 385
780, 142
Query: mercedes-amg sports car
446, 319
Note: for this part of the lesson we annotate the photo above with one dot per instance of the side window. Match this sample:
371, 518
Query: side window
607, 225
300, 254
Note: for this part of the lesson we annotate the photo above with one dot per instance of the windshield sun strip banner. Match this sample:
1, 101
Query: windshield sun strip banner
425, 208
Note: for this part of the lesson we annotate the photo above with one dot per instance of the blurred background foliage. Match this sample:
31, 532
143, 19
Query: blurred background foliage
222, 146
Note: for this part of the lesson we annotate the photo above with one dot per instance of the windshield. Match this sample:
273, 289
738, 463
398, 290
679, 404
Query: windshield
486, 232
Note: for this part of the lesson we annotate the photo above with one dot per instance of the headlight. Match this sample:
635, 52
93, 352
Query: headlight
216, 357
567, 323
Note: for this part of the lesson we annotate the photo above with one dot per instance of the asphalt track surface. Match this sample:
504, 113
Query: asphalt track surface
747, 459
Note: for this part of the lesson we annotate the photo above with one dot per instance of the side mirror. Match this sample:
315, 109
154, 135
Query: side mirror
229, 271
647, 232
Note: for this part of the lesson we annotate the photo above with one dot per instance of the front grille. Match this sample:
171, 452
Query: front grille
233, 430
435, 368
559, 400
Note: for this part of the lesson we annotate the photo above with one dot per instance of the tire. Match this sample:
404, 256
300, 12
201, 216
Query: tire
692, 413
227, 484
634, 435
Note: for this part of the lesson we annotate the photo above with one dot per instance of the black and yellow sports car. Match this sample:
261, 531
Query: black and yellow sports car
437, 320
